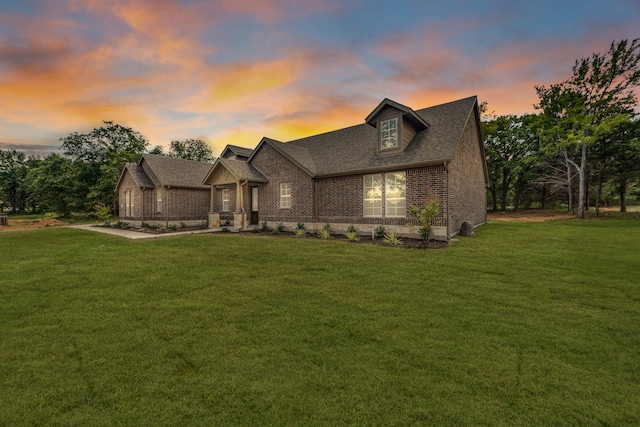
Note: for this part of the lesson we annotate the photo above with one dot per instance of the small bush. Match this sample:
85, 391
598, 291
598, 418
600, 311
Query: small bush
263, 226
225, 229
275, 232
145, 225
173, 227
300, 226
327, 227
182, 224
121, 224
300, 232
380, 231
325, 233
352, 228
353, 236
280, 227
392, 239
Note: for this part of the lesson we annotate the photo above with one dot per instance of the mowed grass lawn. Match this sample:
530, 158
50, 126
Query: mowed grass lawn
524, 324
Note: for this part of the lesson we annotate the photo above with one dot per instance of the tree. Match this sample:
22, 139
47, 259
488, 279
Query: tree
13, 171
596, 97
53, 185
511, 151
191, 149
99, 157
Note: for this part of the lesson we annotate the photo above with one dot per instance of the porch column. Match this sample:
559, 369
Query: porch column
238, 197
214, 201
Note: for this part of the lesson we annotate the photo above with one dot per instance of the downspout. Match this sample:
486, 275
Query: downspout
166, 197
242, 195
142, 209
446, 168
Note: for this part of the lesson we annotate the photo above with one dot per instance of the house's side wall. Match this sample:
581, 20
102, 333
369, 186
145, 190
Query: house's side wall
427, 181
128, 184
187, 204
279, 169
467, 191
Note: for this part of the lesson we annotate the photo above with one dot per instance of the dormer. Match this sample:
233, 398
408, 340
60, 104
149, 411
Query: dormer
234, 152
396, 124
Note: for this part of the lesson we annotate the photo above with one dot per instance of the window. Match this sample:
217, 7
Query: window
395, 194
285, 195
225, 200
373, 195
159, 196
389, 134
128, 203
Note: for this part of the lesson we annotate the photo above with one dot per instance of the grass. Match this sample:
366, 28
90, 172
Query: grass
524, 324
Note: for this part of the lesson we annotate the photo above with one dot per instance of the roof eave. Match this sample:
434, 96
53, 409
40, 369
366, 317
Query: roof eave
384, 168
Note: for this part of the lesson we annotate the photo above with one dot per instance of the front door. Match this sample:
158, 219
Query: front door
254, 205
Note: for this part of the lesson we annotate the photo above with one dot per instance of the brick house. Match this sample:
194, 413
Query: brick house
363, 175
162, 190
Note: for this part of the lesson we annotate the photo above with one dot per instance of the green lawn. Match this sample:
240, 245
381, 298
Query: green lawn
524, 324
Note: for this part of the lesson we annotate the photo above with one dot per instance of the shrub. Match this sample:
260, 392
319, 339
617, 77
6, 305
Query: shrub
173, 227
300, 226
182, 224
325, 233
392, 239
145, 225
380, 231
121, 224
280, 227
352, 228
300, 232
102, 212
225, 229
353, 236
426, 214
327, 227
275, 232
263, 226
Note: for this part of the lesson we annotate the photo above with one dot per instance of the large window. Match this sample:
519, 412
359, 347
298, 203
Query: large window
389, 188
389, 134
373, 195
225, 200
128, 203
159, 196
395, 194
285, 195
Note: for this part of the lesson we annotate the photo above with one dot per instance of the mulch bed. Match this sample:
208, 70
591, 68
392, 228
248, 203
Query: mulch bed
406, 242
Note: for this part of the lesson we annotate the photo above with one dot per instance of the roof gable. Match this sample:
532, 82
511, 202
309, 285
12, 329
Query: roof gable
234, 150
409, 115
240, 169
138, 174
177, 172
300, 156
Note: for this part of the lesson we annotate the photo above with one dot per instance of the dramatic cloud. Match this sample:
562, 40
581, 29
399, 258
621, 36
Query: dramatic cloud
233, 71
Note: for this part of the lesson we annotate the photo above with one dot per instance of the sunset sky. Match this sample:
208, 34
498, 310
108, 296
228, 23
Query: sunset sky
233, 71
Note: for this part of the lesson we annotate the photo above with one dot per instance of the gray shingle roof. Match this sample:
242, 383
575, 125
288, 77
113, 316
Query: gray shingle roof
238, 151
353, 149
242, 170
139, 176
177, 172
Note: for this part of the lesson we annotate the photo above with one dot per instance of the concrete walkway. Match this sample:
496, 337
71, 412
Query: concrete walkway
138, 234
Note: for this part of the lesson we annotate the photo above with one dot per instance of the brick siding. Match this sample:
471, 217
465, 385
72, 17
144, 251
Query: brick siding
467, 191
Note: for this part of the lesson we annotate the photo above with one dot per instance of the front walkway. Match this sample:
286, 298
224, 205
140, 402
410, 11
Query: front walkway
137, 234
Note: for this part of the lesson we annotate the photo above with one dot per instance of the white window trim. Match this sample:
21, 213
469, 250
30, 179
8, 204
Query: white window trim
386, 199
383, 198
382, 140
364, 197
285, 195
159, 199
225, 201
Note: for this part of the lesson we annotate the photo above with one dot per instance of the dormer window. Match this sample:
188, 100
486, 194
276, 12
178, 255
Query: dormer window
389, 133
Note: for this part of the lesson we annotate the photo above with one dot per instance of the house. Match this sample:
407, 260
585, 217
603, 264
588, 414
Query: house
162, 190
363, 175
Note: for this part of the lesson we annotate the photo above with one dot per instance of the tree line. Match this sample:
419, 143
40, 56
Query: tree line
581, 149
86, 172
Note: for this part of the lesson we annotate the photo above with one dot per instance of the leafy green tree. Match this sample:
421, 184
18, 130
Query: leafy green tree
191, 149
13, 172
53, 185
99, 157
598, 96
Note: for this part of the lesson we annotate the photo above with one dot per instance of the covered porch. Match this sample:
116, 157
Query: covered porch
234, 199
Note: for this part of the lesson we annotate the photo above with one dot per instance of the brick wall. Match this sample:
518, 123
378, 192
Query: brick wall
467, 191
279, 169
187, 204
420, 181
